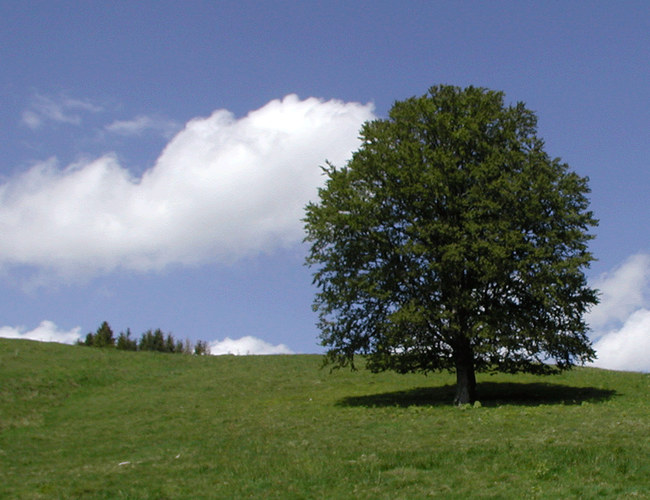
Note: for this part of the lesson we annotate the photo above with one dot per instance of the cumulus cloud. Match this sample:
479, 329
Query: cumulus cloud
44, 109
623, 290
142, 124
626, 348
621, 322
246, 346
47, 331
222, 189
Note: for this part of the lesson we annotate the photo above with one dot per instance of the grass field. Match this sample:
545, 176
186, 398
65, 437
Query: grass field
79, 422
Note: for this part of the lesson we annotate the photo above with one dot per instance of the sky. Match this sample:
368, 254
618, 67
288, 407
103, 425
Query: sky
156, 156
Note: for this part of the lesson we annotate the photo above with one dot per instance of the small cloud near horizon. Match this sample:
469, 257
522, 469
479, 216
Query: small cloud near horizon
46, 331
246, 346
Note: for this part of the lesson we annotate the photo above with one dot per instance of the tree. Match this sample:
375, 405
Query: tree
170, 343
103, 337
89, 340
147, 342
202, 348
452, 241
125, 342
151, 340
154, 341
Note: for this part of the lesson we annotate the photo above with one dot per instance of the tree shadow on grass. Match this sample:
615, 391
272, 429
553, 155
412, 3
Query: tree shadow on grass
488, 393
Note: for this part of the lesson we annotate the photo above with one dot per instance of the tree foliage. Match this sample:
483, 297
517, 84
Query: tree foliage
103, 337
125, 342
451, 240
202, 348
151, 340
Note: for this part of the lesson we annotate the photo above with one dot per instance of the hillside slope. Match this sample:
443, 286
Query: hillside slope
79, 422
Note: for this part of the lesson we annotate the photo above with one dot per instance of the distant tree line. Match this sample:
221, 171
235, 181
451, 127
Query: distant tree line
151, 340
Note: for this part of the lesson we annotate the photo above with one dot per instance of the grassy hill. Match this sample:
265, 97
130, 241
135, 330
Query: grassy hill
79, 422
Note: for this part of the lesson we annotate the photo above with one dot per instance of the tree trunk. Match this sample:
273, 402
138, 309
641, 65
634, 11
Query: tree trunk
465, 376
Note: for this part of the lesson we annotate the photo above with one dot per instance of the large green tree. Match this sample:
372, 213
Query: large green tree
451, 240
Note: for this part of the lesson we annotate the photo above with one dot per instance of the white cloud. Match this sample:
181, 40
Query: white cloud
621, 322
623, 290
32, 119
222, 189
60, 110
47, 331
627, 348
246, 346
141, 124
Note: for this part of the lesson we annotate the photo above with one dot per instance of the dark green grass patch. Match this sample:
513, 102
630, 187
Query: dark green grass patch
90, 423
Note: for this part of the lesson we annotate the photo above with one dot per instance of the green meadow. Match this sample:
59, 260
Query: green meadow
81, 422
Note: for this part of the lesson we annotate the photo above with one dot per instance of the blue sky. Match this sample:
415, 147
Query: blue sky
156, 155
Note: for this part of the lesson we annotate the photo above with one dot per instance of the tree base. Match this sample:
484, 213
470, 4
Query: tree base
465, 384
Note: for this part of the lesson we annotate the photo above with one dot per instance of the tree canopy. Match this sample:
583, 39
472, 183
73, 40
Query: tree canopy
452, 241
